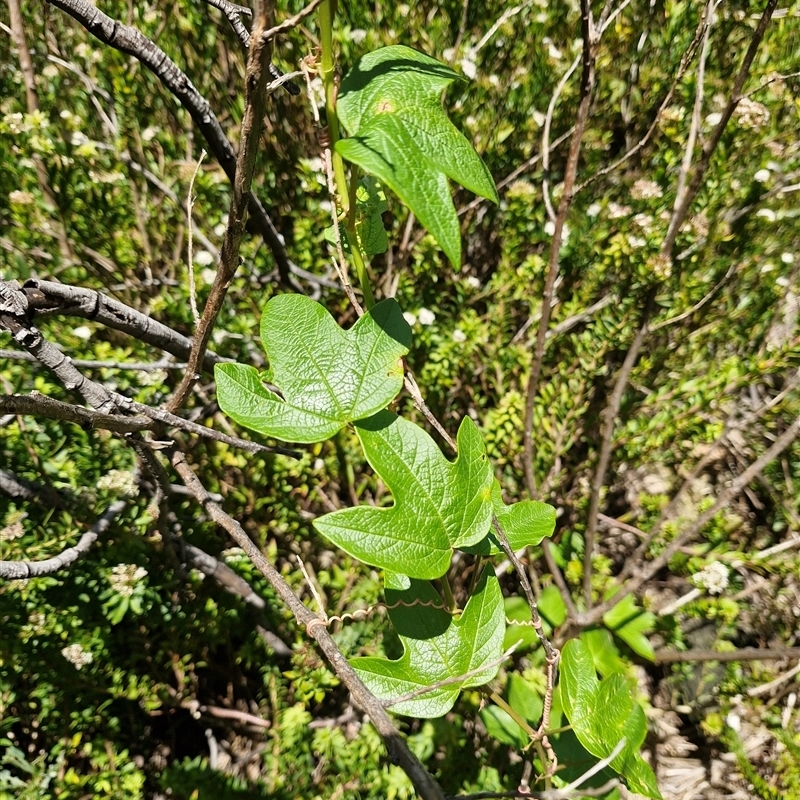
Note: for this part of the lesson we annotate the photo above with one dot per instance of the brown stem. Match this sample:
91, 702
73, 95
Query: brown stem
425, 785
646, 572
256, 80
611, 412
699, 173
590, 43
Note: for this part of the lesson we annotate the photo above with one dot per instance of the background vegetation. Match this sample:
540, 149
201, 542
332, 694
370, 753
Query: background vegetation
138, 673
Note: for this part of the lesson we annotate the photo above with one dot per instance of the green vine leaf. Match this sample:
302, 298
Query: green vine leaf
370, 205
525, 524
390, 104
632, 624
604, 712
327, 376
437, 646
438, 504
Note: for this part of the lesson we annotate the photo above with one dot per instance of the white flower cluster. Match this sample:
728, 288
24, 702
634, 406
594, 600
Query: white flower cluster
713, 578
155, 377
20, 198
119, 482
751, 114
124, 577
424, 316
644, 189
12, 531
76, 655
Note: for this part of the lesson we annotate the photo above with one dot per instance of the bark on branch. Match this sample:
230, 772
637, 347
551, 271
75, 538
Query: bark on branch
33, 569
129, 40
425, 785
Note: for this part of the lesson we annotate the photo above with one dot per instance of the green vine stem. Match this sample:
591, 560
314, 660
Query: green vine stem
345, 197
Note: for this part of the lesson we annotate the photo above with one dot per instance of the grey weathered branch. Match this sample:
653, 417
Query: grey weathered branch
48, 298
39, 405
32, 569
22, 489
425, 785
132, 42
28, 336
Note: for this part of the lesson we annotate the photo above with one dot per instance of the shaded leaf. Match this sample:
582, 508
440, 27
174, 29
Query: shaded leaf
602, 713
437, 646
632, 624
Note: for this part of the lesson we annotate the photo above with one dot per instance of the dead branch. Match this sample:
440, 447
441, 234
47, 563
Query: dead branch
130, 41
590, 45
398, 749
256, 79
48, 298
14, 570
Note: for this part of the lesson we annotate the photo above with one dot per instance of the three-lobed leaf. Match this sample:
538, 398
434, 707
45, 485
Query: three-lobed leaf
390, 104
437, 646
327, 376
438, 504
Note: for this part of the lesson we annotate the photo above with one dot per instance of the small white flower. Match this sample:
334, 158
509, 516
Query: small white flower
124, 577
549, 227
358, 35
751, 114
787, 258
469, 68
219, 230
148, 134
767, 213
713, 119
208, 276
594, 210
733, 721
77, 656
636, 241
645, 190
762, 176
79, 138
538, 118
426, 316
473, 282
459, 335
119, 482
21, 198
494, 80
617, 211
410, 318
155, 377
12, 531
713, 578
203, 258
83, 332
